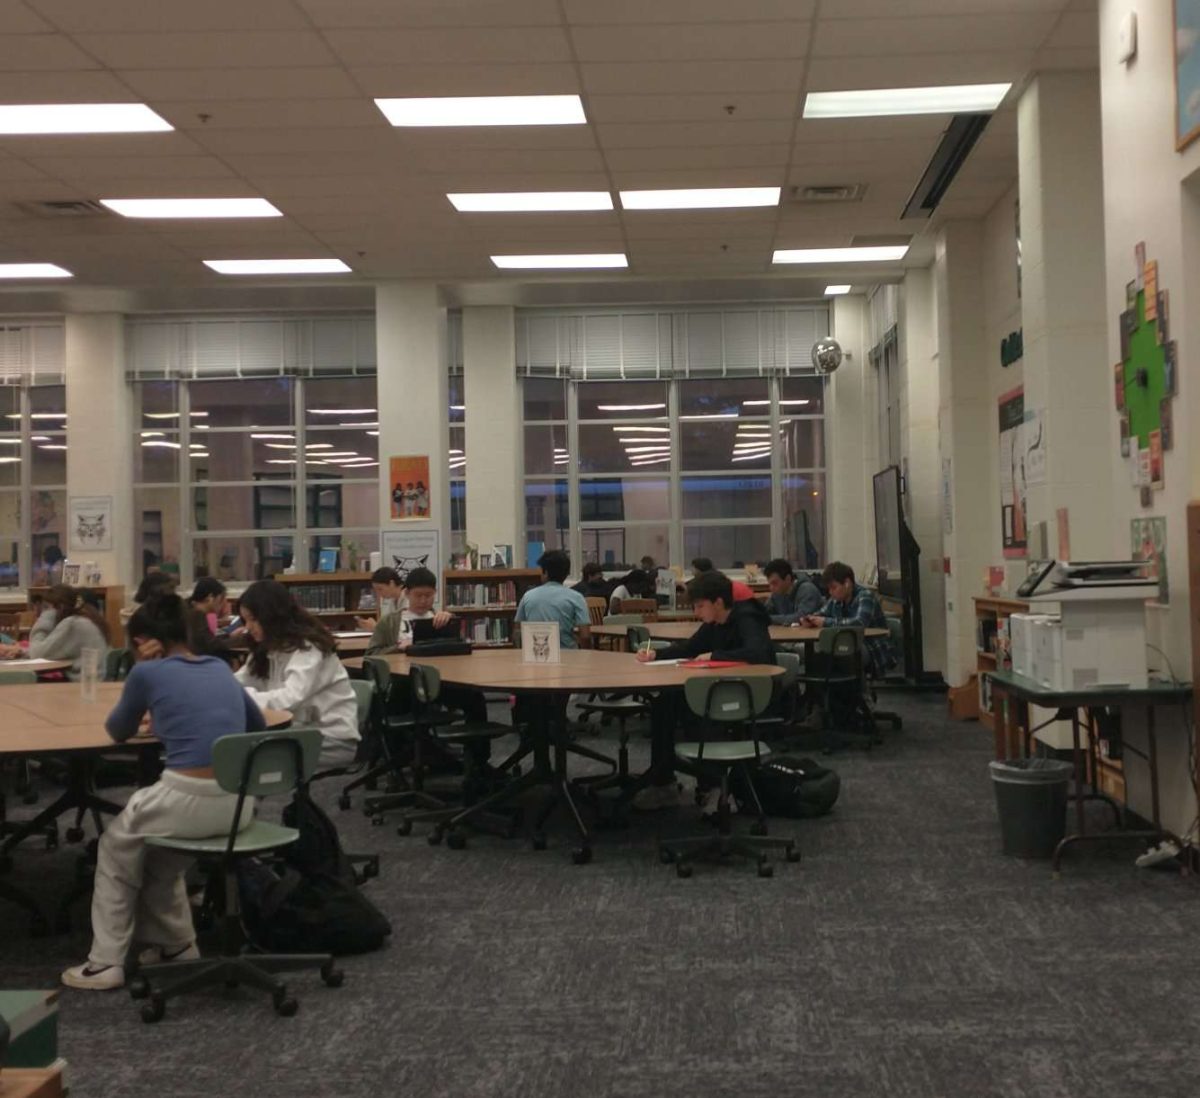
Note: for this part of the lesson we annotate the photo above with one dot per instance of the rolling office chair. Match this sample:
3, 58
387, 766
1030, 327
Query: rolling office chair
250, 764
896, 635
23, 783
727, 702
838, 679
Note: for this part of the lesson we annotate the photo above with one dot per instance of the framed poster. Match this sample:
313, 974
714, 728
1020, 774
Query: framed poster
405, 550
89, 523
409, 478
1187, 72
1013, 482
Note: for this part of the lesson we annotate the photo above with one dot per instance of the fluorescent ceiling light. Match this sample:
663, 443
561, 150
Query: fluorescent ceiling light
888, 253
341, 412
8, 460
586, 261
25, 118
485, 110
650, 461
287, 438
836, 291
700, 198
751, 457
191, 207
198, 453
952, 99
33, 270
52, 446
631, 408
277, 446
47, 415
374, 433
627, 427
804, 401
531, 201
318, 445
162, 444
277, 266
39, 438
458, 407
17, 441
712, 415
647, 450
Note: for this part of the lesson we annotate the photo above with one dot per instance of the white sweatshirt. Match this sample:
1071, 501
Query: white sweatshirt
313, 686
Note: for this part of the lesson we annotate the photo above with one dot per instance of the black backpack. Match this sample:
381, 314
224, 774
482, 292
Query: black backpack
800, 789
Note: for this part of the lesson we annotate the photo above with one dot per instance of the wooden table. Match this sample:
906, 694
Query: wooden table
681, 630
31, 1083
580, 671
38, 666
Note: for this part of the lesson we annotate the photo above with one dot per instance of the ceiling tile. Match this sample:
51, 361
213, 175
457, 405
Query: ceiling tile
256, 164
917, 70
453, 79
90, 86
314, 192
857, 9
691, 42
330, 82
82, 16
103, 145
756, 224
1064, 60
588, 12
89, 185
19, 18
431, 13
770, 157
42, 52
689, 108
1075, 31
471, 180
913, 127
888, 37
133, 167
508, 160
327, 139
204, 49
723, 132
458, 45
649, 179
687, 77
271, 114
11, 169
495, 137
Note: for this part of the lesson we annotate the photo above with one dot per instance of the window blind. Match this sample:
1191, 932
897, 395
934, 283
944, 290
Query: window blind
32, 353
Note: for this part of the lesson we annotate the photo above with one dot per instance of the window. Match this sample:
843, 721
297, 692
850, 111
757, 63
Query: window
458, 463
547, 496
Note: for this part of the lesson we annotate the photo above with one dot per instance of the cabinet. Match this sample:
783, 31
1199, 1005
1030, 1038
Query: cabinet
990, 615
485, 601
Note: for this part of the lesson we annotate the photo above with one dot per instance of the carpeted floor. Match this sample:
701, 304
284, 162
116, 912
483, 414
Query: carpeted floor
905, 956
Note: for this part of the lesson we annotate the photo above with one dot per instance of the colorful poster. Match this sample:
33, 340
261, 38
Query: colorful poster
1156, 459
1013, 482
1064, 534
1119, 381
1035, 447
1166, 419
1148, 541
1151, 283
409, 478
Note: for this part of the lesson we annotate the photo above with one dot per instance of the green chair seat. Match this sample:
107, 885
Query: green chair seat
259, 836
724, 751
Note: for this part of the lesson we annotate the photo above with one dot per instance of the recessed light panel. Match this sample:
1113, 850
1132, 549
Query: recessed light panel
191, 207
700, 198
836, 291
953, 99
589, 261
276, 266
531, 201
33, 270
840, 255
34, 118
485, 110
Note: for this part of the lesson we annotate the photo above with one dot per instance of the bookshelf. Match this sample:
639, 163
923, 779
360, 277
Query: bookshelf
331, 596
485, 600
991, 615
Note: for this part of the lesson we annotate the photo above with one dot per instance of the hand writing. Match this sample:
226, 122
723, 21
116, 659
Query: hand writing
646, 655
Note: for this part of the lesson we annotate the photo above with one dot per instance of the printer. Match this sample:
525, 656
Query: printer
1098, 635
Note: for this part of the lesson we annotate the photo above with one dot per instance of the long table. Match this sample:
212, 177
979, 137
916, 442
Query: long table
550, 684
681, 630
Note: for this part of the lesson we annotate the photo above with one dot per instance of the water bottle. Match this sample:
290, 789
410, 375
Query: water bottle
89, 673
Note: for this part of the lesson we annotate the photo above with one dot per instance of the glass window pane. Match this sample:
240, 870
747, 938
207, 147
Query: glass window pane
262, 507
624, 447
726, 497
157, 528
457, 453
622, 399
10, 466
48, 405
48, 525
50, 460
458, 398
546, 450
802, 443
615, 499
621, 547
156, 457
156, 404
725, 444
728, 546
338, 505
802, 395
241, 559
547, 514
240, 456
10, 408
721, 396
458, 505
356, 546
356, 453
258, 402
544, 398
10, 535
804, 519
340, 401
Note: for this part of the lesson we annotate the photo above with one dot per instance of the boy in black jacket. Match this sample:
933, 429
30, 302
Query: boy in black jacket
729, 631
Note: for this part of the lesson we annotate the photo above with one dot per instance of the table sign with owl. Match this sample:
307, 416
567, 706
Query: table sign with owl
540, 642
89, 523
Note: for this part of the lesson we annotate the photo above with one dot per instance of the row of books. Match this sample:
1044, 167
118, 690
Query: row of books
321, 596
503, 593
487, 630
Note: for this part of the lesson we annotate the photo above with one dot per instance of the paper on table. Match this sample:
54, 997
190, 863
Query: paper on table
663, 663
348, 633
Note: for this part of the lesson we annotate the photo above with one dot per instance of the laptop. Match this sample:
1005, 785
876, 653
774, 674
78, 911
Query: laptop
423, 630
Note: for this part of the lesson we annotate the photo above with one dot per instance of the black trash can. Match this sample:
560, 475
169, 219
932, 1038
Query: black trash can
1031, 796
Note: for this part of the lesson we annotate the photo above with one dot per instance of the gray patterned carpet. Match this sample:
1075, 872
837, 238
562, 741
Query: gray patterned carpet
904, 957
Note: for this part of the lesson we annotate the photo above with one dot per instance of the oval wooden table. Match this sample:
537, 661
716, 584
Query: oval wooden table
680, 630
550, 685
37, 666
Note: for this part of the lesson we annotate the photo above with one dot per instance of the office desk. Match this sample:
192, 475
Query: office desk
1012, 737
549, 685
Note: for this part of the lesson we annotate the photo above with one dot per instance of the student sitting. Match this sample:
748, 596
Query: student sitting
139, 890
389, 596
730, 630
64, 629
551, 601
592, 584
741, 591
639, 584
394, 631
293, 665
850, 604
791, 598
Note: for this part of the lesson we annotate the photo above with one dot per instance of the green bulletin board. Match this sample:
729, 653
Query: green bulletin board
1143, 402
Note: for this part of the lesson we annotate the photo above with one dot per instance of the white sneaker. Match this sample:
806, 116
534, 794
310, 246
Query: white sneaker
712, 801
90, 977
654, 797
157, 955
1156, 855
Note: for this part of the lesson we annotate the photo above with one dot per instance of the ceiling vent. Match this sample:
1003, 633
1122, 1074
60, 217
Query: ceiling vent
76, 207
834, 192
950, 155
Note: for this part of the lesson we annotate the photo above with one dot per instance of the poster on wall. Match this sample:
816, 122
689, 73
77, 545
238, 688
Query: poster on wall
1148, 542
409, 478
1187, 72
1035, 447
1013, 475
405, 550
89, 524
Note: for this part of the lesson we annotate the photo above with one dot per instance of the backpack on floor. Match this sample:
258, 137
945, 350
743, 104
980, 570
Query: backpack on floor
319, 848
799, 789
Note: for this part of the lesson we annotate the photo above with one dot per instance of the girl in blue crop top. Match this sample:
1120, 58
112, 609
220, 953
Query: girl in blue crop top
139, 892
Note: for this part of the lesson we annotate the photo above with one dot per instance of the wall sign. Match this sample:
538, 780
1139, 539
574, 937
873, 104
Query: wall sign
1012, 348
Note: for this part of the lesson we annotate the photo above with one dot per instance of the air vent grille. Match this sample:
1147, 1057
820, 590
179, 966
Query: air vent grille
75, 207
831, 192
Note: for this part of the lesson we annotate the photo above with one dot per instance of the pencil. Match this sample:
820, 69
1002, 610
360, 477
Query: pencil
646, 646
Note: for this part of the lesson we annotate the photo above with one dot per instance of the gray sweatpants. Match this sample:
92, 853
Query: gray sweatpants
139, 890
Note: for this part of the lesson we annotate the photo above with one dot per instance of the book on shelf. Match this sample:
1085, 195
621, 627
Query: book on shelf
321, 597
497, 594
487, 630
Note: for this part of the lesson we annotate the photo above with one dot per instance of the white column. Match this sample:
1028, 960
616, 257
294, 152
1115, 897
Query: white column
493, 427
410, 335
100, 435
1062, 306
965, 413
851, 420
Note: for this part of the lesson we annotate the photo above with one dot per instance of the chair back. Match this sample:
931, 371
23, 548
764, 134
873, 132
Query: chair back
645, 609
622, 619
426, 684
17, 678
117, 664
596, 609
840, 641
895, 628
792, 665
364, 696
378, 673
728, 699
258, 764
636, 636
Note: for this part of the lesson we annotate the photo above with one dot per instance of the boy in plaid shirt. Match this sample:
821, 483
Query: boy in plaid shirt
850, 604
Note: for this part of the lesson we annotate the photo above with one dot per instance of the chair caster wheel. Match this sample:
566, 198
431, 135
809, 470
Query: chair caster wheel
29, 796
683, 870
376, 821
344, 801
154, 1010
139, 988
538, 842
285, 1005
404, 827
581, 855
666, 856
333, 976
370, 869
456, 840
766, 869
52, 840
758, 828
74, 835
793, 854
